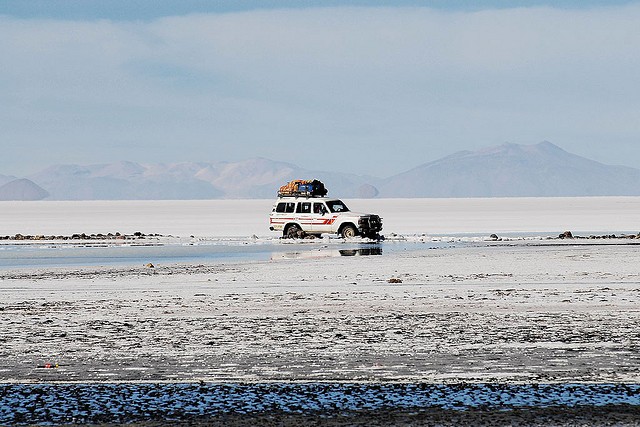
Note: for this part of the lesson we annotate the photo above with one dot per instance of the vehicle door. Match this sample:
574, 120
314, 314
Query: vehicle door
323, 220
305, 216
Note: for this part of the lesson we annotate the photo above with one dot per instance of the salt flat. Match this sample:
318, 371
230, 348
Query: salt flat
503, 311
438, 310
244, 218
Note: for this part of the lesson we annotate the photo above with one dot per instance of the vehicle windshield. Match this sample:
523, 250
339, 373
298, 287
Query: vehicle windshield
337, 206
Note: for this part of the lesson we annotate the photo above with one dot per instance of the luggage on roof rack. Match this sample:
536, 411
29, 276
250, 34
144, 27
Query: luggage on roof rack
301, 187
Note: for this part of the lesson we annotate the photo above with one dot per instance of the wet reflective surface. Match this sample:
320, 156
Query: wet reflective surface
374, 250
92, 254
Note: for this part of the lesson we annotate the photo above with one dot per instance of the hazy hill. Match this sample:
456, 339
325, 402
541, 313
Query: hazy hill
513, 170
22, 189
5, 179
254, 178
261, 178
121, 181
502, 171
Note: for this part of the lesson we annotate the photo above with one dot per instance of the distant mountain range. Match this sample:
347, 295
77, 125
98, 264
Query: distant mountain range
254, 178
512, 170
508, 170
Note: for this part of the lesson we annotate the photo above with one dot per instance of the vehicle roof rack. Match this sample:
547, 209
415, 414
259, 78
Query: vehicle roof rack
303, 188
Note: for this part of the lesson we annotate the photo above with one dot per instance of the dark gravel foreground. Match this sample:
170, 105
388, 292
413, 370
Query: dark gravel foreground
320, 404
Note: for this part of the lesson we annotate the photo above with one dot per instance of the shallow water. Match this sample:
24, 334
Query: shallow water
56, 254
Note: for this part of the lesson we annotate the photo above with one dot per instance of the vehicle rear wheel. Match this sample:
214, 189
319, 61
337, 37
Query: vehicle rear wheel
292, 232
349, 231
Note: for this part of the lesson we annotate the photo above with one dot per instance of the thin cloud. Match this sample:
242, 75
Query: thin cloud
404, 85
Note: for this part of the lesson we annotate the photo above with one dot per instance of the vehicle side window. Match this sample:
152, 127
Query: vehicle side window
337, 206
291, 207
304, 207
281, 207
318, 208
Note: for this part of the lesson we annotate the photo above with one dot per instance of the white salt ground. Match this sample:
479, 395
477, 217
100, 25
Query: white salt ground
508, 311
244, 218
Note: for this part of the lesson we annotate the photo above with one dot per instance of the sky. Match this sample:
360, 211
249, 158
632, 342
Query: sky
366, 87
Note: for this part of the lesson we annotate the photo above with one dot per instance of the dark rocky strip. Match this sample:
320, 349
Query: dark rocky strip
81, 236
289, 404
570, 235
610, 415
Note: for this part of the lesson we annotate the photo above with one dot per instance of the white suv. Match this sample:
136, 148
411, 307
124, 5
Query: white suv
301, 216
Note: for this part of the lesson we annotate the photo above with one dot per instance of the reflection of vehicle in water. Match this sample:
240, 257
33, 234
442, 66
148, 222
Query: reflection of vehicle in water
327, 252
361, 251
298, 214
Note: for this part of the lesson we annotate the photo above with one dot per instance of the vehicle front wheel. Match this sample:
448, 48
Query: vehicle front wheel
349, 231
292, 232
